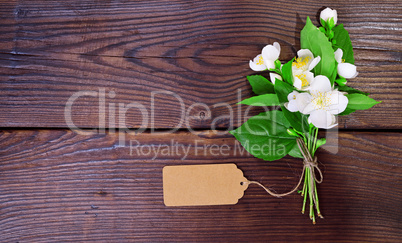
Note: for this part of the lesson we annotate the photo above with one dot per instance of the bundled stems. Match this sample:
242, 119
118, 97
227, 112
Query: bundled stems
308, 146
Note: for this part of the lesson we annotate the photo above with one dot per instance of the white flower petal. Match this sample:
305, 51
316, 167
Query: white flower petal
338, 102
269, 52
256, 67
333, 125
303, 53
322, 119
335, 17
338, 55
269, 64
310, 107
303, 100
273, 76
297, 83
292, 96
277, 46
320, 84
292, 106
257, 64
286, 105
314, 63
347, 70
309, 76
354, 76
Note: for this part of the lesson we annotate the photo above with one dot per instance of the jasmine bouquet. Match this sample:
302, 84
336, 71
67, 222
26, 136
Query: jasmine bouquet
311, 91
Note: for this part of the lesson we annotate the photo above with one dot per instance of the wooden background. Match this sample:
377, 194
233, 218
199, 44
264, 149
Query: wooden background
60, 186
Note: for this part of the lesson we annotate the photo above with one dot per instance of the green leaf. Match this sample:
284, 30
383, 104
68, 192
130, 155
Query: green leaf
287, 72
341, 36
265, 135
313, 39
261, 100
334, 74
350, 90
260, 85
360, 102
321, 142
347, 111
295, 151
297, 120
341, 81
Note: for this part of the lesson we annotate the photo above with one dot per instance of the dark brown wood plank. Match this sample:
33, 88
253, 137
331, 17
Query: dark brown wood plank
50, 178
199, 50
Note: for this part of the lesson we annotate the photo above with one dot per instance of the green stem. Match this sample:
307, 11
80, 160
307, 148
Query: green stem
304, 193
309, 140
310, 196
315, 142
312, 209
317, 205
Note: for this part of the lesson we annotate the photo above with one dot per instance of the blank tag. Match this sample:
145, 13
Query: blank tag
214, 184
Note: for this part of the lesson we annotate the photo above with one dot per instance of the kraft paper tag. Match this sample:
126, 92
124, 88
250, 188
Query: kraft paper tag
214, 184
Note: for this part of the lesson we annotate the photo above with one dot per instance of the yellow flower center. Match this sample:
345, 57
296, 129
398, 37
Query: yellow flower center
343, 60
321, 101
301, 63
260, 61
303, 79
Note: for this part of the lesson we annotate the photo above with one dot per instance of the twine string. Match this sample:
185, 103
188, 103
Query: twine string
308, 163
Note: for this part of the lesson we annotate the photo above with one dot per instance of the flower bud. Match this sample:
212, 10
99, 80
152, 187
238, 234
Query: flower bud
278, 64
327, 14
292, 132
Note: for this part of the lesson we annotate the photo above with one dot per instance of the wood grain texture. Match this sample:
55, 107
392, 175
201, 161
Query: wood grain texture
50, 178
199, 50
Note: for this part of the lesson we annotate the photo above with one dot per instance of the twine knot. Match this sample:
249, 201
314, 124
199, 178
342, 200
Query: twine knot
309, 162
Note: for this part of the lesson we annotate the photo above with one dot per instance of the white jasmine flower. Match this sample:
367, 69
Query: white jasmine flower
257, 64
273, 76
327, 14
266, 60
346, 70
305, 60
322, 103
301, 67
